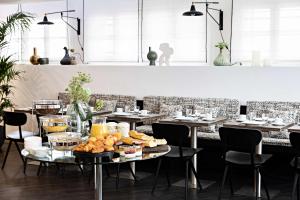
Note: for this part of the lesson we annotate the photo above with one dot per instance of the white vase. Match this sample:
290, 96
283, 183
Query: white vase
221, 59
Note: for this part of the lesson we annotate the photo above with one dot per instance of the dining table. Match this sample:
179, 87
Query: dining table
194, 123
71, 158
133, 118
263, 126
294, 128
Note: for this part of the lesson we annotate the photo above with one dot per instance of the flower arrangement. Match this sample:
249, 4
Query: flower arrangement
222, 45
76, 91
79, 96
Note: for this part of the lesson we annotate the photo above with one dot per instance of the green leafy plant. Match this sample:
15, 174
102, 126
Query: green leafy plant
79, 96
222, 45
16, 22
99, 104
77, 93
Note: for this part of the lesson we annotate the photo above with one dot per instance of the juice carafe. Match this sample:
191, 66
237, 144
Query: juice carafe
99, 128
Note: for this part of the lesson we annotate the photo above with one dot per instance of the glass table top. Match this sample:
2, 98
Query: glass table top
67, 157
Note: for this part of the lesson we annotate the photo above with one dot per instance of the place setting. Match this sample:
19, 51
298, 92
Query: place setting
264, 121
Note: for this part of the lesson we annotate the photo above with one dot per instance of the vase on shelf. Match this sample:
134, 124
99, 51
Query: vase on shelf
152, 56
221, 59
67, 60
34, 58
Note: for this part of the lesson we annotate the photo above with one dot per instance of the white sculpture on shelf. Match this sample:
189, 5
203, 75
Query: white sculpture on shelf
167, 51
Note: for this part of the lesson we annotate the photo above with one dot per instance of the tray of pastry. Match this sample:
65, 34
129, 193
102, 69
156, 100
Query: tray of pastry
157, 149
97, 147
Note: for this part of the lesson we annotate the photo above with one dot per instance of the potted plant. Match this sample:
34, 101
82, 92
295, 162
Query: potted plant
222, 59
79, 96
16, 22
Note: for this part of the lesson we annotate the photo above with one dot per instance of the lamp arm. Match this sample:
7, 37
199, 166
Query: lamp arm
213, 18
78, 23
214, 9
220, 22
51, 13
205, 2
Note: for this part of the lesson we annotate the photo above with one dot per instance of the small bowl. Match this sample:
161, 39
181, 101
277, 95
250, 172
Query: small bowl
43, 61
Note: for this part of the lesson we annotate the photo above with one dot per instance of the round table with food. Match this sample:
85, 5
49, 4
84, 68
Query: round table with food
97, 149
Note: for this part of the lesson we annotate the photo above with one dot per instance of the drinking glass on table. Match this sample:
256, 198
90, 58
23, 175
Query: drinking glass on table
251, 116
126, 108
197, 112
188, 112
265, 117
136, 109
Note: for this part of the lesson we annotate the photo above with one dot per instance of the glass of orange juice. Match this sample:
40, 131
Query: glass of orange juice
99, 127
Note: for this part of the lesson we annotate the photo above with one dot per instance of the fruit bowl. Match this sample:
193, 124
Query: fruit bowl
55, 123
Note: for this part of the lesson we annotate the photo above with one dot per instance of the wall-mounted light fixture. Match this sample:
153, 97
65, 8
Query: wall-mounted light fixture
194, 12
46, 22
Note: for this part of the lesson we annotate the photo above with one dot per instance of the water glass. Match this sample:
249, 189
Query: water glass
126, 108
265, 116
251, 116
136, 109
188, 112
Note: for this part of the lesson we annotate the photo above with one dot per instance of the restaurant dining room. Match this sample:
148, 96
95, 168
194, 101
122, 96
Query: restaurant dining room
149, 99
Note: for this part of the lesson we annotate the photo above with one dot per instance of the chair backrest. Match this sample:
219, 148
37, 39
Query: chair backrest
14, 118
175, 135
241, 140
295, 142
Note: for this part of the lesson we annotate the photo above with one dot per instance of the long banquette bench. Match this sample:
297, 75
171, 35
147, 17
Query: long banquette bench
110, 101
230, 108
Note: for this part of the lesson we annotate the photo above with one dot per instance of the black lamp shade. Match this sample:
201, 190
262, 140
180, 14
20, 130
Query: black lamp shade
45, 21
192, 12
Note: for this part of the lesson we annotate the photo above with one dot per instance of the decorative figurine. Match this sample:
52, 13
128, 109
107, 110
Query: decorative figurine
67, 60
152, 56
167, 51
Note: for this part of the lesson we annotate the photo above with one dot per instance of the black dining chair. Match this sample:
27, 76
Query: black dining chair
295, 142
18, 120
175, 135
239, 149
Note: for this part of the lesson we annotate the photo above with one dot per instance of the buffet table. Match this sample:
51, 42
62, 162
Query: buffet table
68, 157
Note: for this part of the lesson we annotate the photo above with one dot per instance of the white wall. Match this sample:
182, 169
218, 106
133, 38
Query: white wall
243, 83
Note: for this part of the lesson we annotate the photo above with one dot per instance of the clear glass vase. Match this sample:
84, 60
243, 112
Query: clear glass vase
222, 59
80, 114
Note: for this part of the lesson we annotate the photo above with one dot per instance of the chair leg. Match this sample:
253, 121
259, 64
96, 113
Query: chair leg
118, 176
81, 170
19, 151
223, 181
186, 179
156, 175
25, 166
295, 184
167, 166
39, 169
264, 184
196, 175
230, 182
6, 154
132, 173
298, 185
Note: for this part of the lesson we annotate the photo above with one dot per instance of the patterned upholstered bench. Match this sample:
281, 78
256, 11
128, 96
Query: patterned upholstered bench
288, 111
168, 105
110, 101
